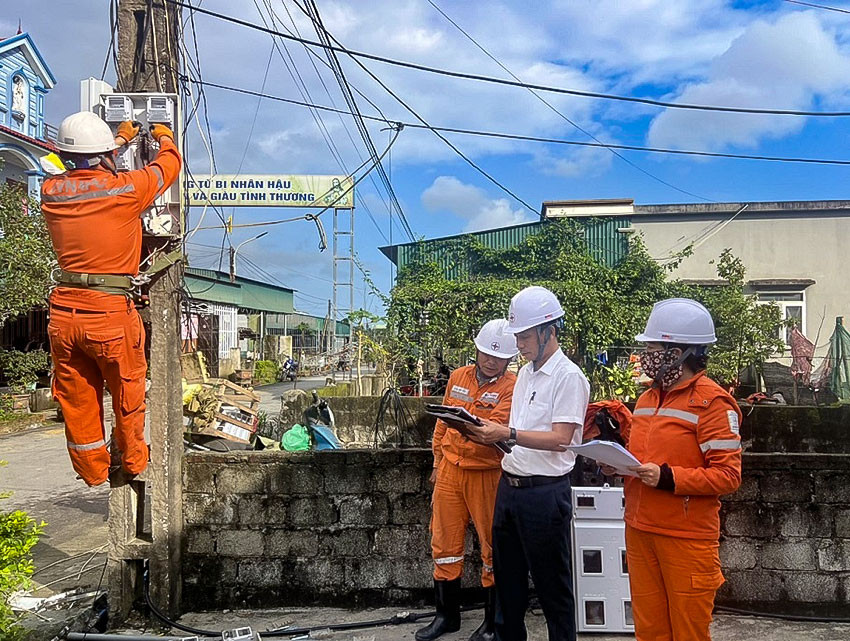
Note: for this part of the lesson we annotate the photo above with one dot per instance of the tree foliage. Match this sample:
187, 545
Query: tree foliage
747, 332
606, 306
26, 255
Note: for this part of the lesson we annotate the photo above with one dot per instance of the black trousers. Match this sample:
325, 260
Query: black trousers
531, 534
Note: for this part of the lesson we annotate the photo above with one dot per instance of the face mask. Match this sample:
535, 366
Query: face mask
653, 362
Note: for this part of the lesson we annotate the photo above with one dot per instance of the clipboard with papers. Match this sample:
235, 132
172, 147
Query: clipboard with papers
609, 453
460, 419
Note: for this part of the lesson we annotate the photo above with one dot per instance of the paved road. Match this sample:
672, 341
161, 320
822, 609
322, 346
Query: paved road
724, 628
39, 474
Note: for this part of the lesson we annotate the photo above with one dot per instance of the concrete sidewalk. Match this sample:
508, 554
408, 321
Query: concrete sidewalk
724, 628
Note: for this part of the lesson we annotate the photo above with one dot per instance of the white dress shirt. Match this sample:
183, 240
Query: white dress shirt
558, 392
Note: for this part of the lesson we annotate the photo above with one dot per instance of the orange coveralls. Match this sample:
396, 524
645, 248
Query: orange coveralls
672, 537
93, 220
467, 474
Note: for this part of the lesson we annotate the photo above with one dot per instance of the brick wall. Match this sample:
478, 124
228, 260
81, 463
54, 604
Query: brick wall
351, 526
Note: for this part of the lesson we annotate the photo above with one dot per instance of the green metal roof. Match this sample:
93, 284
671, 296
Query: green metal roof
215, 286
603, 239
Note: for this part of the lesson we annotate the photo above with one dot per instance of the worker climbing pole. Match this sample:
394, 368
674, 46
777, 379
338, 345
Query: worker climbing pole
147, 48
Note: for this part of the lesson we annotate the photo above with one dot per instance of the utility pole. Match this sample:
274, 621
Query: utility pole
147, 46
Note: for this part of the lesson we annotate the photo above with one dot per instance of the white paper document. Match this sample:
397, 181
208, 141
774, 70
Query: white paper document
609, 453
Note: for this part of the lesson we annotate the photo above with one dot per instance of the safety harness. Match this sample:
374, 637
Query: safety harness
122, 284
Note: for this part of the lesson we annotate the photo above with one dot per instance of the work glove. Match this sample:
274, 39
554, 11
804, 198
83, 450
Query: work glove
159, 130
128, 130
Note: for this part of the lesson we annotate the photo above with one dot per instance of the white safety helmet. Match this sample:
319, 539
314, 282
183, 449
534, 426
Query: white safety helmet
85, 134
495, 339
531, 307
679, 320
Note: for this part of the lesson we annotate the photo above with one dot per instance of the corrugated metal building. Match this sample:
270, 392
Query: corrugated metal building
255, 307
605, 233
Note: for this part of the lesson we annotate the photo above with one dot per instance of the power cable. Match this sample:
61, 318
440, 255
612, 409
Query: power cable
554, 141
312, 54
298, 81
512, 83
312, 10
560, 113
439, 135
818, 6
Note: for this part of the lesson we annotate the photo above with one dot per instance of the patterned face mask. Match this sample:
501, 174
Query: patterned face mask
652, 362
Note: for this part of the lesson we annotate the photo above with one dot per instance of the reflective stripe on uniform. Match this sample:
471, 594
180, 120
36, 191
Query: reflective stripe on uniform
487, 568
690, 417
159, 180
87, 195
724, 444
448, 559
86, 447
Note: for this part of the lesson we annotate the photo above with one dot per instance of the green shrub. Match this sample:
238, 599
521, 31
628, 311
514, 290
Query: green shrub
21, 369
18, 535
265, 372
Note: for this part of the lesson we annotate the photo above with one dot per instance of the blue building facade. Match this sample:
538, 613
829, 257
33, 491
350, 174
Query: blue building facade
25, 80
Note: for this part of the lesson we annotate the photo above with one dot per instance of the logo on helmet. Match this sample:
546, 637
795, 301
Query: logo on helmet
494, 345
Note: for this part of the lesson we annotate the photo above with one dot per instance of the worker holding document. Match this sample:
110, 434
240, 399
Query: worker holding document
466, 476
685, 432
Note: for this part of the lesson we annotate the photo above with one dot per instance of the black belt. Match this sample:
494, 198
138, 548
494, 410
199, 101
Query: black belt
531, 481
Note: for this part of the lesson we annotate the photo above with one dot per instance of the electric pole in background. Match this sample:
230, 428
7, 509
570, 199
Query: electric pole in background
147, 49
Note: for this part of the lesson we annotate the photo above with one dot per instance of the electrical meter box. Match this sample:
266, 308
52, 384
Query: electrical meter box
601, 571
165, 218
117, 109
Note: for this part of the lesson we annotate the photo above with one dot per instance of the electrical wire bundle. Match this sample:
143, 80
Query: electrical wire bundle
406, 432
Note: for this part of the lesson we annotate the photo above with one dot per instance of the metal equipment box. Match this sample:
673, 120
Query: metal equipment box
600, 569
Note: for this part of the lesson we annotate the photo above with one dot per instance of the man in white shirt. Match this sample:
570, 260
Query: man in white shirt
531, 524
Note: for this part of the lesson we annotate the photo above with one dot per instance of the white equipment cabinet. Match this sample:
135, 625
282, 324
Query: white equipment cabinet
603, 601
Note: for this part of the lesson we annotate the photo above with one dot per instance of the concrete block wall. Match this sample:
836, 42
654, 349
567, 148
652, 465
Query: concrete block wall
786, 534
335, 527
351, 527
355, 419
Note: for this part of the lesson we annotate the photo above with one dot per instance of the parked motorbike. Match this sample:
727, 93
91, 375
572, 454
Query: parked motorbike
319, 420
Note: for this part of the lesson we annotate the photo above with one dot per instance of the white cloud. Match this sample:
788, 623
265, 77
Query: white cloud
448, 194
786, 63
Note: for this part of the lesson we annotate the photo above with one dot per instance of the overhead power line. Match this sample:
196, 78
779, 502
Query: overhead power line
818, 6
413, 112
558, 111
312, 56
315, 216
313, 12
541, 139
513, 83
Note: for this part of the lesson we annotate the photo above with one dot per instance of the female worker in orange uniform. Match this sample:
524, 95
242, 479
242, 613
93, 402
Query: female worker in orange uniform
685, 433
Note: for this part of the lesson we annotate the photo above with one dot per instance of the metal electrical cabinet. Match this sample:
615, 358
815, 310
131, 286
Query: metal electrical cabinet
165, 218
603, 600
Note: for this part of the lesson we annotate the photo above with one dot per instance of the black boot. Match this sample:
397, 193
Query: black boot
447, 601
487, 630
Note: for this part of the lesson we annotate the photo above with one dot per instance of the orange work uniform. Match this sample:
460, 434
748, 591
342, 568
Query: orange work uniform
94, 222
672, 537
467, 474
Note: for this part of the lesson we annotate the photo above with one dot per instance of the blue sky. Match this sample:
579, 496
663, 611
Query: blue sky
753, 54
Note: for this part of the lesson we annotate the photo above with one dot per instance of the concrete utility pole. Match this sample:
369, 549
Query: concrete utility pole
147, 48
